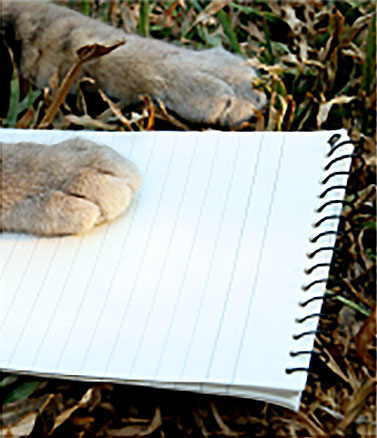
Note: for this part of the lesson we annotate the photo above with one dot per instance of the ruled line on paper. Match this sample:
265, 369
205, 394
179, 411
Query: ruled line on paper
57, 304
80, 256
152, 148
172, 235
18, 288
122, 252
82, 300
88, 285
35, 301
218, 232
244, 219
209, 178
150, 231
271, 203
117, 265
10, 255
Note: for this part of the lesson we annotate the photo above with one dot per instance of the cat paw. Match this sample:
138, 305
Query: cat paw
212, 86
67, 188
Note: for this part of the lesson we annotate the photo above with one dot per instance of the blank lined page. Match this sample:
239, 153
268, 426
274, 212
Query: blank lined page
197, 284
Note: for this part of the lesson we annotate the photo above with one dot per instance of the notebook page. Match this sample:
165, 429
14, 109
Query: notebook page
198, 283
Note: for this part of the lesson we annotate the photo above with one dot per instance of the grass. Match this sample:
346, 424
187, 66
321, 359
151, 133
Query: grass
317, 65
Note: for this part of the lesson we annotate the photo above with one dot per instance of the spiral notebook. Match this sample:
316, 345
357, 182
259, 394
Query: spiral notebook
199, 285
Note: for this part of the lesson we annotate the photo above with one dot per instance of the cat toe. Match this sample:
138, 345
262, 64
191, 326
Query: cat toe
111, 194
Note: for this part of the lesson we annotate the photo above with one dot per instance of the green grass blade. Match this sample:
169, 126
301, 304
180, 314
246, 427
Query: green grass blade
13, 111
197, 6
270, 54
349, 303
22, 391
255, 13
227, 26
144, 25
16, 107
85, 7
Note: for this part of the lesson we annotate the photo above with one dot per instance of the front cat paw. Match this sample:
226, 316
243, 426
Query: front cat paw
207, 86
67, 188
212, 86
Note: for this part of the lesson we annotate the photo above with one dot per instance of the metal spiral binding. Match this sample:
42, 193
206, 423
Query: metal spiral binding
334, 146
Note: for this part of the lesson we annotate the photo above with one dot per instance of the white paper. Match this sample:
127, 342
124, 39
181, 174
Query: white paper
197, 286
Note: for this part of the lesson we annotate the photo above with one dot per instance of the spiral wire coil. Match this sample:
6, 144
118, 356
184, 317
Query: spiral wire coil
322, 222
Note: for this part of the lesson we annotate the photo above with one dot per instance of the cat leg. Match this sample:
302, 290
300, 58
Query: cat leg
209, 86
